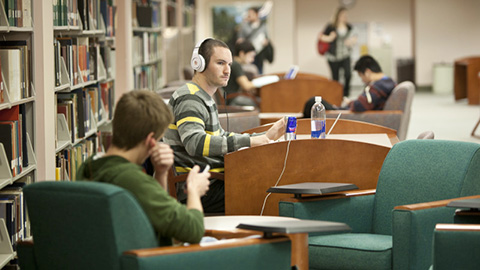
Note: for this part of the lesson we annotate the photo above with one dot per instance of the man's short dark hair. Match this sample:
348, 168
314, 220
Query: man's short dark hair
365, 62
244, 46
206, 49
255, 9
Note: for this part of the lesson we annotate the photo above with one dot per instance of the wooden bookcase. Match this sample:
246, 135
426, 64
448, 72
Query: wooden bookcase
175, 41
84, 85
18, 163
48, 132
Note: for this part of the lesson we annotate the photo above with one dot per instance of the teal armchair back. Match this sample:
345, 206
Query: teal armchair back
89, 225
393, 228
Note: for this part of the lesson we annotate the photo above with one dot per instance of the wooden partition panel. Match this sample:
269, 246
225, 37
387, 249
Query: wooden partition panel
250, 172
291, 95
467, 83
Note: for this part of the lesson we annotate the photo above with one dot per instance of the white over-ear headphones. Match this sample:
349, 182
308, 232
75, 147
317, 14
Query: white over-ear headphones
198, 62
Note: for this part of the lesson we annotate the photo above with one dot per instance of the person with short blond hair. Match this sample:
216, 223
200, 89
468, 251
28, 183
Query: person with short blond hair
140, 120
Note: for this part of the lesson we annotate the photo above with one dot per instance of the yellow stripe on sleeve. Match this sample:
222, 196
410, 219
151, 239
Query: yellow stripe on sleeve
182, 169
206, 145
193, 88
213, 133
172, 126
190, 119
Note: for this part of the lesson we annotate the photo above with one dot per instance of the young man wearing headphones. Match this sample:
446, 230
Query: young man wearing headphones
195, 135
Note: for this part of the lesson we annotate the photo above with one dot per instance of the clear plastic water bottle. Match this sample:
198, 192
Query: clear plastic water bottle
318, 119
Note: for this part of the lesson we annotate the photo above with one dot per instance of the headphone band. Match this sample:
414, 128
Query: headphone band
197, 61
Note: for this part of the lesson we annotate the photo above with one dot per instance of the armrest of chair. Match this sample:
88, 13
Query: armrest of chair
455, 246
26, 255
351, 207
252, 253
434, 204
413, 226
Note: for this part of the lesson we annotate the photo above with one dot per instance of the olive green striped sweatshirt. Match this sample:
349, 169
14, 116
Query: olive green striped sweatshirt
196, 136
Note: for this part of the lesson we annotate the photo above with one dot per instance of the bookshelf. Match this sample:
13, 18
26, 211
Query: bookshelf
50, 80
173, 35
84, 61
18, 164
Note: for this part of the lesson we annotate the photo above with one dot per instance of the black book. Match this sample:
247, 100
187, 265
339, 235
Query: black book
23, 114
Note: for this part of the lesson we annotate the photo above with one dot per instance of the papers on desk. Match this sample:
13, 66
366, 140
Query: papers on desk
264, 80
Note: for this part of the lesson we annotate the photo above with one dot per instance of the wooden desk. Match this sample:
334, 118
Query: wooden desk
291, 95
250, 172
381, 139
466, 83
222, 227
342, 130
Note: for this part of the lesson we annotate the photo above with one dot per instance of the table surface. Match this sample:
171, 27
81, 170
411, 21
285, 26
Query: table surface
227, 223
467, 203
373, 138
272, 224
312, 188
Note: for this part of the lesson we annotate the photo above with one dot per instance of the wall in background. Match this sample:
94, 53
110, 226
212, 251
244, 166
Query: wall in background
434, 31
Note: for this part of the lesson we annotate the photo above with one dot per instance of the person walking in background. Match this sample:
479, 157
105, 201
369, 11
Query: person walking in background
339, 35
255, 31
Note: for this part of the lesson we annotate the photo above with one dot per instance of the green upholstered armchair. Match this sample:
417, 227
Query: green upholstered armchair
88, 225
456, 246
392, 228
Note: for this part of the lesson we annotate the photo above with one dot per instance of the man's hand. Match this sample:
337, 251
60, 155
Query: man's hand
277, 130
197, 182
161, 156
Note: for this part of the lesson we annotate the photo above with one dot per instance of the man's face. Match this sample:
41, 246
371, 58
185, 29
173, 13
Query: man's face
218, 71
252, 16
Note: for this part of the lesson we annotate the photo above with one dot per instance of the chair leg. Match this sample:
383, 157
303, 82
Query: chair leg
474, 129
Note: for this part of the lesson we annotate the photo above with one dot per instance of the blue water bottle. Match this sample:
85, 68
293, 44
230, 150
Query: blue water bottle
318, 119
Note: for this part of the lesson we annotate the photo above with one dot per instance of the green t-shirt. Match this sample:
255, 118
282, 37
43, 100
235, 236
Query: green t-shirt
169, 218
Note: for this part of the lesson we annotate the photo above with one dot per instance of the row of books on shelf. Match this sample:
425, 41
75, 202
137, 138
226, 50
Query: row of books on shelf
13, 136
108, 10
81, 57
13, 211
146, 14
69, 160
148, 77
90, 12
146, 47
83, 108
18, 12
14, 70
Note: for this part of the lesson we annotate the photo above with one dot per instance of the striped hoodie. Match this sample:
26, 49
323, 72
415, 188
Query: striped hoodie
196, 136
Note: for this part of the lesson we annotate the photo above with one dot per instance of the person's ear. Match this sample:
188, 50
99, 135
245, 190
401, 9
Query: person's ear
150, 141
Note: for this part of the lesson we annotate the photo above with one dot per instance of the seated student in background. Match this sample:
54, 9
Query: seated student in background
140, 120
238, 82
195, 135
376, 92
